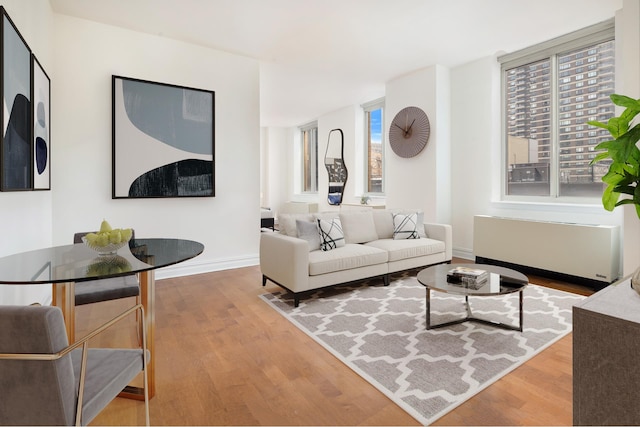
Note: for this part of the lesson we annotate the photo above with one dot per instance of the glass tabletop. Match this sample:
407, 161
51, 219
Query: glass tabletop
500, 280
77, 262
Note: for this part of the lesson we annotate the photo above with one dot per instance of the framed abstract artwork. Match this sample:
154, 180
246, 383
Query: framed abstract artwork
16, 157
163, 140
41, 114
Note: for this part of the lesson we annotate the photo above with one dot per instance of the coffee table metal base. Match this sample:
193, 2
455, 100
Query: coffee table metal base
471, 318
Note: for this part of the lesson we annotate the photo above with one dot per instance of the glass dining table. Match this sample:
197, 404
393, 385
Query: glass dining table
63, 266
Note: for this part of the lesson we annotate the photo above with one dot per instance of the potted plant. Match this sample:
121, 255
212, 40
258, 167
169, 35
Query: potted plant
623, 176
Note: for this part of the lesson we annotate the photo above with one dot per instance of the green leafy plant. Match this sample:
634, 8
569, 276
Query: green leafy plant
623, 176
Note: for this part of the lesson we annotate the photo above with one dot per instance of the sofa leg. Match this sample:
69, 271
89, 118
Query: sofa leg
385, 279
296, 300
264, 280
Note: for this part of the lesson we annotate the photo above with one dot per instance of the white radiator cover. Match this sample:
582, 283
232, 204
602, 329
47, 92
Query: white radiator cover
588, 251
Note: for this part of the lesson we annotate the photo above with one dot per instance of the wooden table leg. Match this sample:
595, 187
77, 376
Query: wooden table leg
148, 298
64, 297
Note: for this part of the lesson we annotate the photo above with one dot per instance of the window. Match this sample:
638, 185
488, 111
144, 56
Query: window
309, 158
374, 146
545, 117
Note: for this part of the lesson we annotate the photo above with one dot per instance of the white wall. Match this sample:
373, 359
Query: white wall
475, 142
80, 57
25, 217
279, 149
476, 165
423, 181
87, 55
458, 174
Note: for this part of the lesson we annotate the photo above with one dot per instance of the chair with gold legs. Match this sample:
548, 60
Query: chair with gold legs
46, 381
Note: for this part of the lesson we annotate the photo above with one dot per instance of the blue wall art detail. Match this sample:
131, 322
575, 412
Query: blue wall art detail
163, 140
16, 153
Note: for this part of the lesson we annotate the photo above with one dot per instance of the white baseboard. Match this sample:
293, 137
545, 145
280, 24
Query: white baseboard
463, 253
196, 266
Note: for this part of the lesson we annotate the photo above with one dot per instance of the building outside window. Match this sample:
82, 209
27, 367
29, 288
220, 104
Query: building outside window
550, 92
374, 146
309, 158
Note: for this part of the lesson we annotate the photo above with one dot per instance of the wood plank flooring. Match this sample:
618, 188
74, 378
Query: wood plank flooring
224, 357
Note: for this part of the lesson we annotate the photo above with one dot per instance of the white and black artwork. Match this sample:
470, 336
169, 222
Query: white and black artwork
163, 140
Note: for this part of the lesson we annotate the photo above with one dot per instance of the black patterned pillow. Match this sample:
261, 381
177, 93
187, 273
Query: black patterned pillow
331, 235
405, 226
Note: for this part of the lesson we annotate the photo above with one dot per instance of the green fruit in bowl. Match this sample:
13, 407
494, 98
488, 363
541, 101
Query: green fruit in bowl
105, 226
91, 238
114, 236
126, 234
102, 240
109, 238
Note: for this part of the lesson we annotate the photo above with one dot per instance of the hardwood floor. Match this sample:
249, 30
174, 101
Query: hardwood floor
224, 357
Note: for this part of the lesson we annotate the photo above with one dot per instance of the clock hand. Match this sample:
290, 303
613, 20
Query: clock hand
399, 127
404, 131
408, 131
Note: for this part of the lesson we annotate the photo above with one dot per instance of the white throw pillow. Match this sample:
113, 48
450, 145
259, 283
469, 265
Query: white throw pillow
331, 235
287, 223
404, 226
419, 223
309, 231
358, 226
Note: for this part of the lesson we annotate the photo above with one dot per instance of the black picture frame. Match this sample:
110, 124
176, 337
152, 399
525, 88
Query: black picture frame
41, 125
163, 140
16, 148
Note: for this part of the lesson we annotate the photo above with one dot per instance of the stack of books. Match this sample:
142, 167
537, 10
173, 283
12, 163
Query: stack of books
467, 276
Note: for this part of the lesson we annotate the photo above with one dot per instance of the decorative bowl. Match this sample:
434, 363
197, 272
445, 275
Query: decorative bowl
109, 249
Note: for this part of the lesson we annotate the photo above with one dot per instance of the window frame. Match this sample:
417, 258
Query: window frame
312, 126
549, 50
367, 108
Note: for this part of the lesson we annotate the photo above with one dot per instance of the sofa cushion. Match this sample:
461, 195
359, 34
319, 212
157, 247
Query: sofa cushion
408, 248
345, 258
309, 231
327, 216
405, 226
287, 223
358, 226
331, 235
383, 220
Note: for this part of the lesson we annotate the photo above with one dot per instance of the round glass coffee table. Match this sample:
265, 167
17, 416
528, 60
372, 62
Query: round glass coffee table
499, 281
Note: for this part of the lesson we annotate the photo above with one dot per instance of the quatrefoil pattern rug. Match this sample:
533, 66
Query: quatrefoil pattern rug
380, 333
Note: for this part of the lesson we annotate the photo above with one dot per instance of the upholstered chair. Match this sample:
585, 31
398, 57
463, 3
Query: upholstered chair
46, 381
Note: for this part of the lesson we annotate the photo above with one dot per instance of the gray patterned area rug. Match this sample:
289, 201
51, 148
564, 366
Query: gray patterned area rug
380, 333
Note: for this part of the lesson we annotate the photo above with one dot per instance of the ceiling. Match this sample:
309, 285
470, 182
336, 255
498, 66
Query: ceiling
317, 56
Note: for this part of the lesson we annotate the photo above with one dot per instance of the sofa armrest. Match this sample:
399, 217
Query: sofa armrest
443, 233
285, 260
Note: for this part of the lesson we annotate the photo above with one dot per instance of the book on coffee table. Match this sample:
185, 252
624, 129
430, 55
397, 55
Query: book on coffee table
467, 275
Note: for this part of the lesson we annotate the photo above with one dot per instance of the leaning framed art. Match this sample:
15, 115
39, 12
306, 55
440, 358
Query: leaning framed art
16, 164
41, 92
163, 140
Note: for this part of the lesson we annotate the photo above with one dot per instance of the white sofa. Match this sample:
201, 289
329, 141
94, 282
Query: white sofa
372, 246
